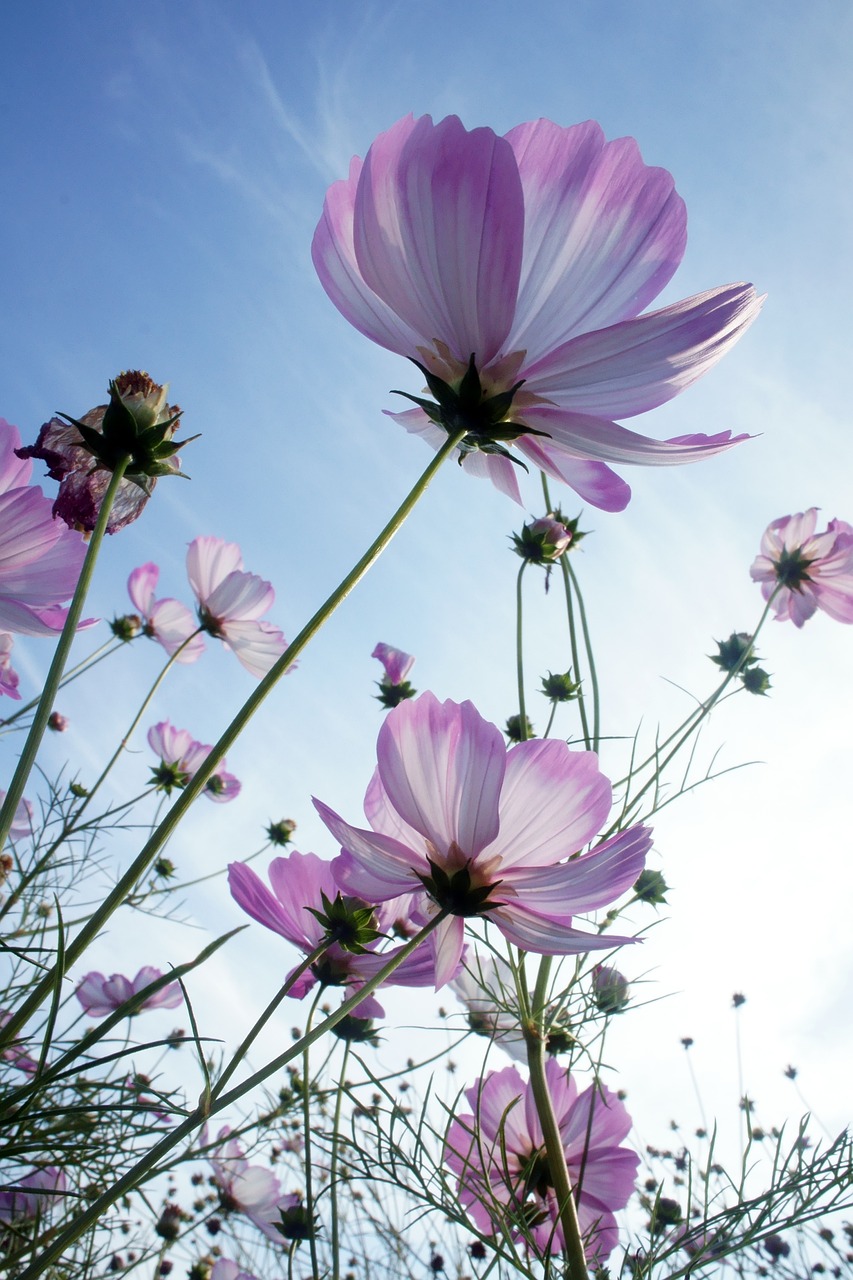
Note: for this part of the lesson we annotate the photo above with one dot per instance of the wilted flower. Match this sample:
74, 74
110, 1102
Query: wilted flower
542, 541
246, 1188
303, 888
512, 271
15, 1052
100, 996
22, 823
32, 1196
498, 1154
230, 603
803, 570
9, 679
465, 825
82, 453
167, 621
394, 688
40, 560
181, 757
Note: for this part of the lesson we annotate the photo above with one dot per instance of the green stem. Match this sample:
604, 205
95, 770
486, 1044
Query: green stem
590, 657
573, 639
575, 1258
306, 1125
689, 726
333, 1169
519, 657
199, 781
60, 657
211, 1105
108, 647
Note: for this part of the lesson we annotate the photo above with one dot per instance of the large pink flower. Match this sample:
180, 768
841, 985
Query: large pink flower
40, 559
498, 1155
529, 258
167, 621
231, 603
482, 831
813, 570
299, 883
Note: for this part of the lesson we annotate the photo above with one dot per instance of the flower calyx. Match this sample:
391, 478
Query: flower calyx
348, 922
137, 424
391, 695
465, 408
735, 653
169, 777
455, 892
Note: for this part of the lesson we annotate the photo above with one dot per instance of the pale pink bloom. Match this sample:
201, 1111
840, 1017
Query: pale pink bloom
22, 823
40, 559
531, 256
33, 1196
299, 882
100, 995
247, 1188
461, 823
9, 679
15, 1052
397, 664
498, 1155
231, 603
225, 1269
811, 570
167, 621
181, 757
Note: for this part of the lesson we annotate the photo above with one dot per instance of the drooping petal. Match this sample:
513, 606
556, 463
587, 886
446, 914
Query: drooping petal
592, 481
583, 884
634, 366
299, 881
438, 225
442, 766
173, 625
448, 943
374, 866
15, 472
256, 645
141, 586
603, 232
549, 936
241, 596
583, 436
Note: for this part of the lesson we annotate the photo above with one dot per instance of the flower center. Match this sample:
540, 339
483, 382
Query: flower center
456, 885
792, 568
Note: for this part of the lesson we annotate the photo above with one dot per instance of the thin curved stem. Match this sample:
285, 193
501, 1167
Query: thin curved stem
519, 653
333, 1166
60, 657
199, 781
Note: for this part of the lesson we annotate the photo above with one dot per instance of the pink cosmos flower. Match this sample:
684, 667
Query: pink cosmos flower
167, 621
397, 664
99, 995
181, 757
814, 570
9, 678
15, 1052
299, 882
513, 270
247, 1188
33, 1196
498, 1155
22, 823
466, 825
76, 462
40, 560
231, 603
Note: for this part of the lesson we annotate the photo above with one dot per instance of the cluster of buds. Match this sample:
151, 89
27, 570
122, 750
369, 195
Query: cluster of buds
736, 655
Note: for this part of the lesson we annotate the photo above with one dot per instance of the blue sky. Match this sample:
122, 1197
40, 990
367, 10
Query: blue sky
165, 170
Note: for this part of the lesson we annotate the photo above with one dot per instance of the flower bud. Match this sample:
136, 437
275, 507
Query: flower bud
651, 887
516, 732
560, 687
609, 989
280, 832
542, 541
58, 723
755, 680
731, 655
127, 627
